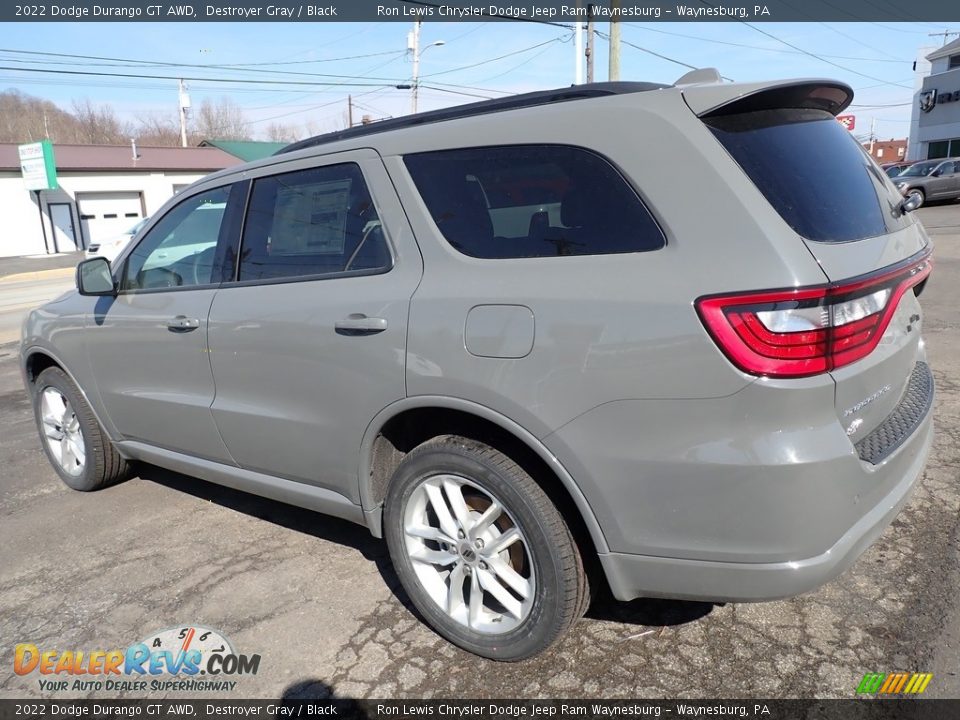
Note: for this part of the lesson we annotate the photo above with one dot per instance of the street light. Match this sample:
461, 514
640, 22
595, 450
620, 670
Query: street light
417, 52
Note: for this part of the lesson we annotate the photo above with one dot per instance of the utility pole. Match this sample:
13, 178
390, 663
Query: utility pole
945, 34
578, 49
590, 43
184, 104
873, 134
613, 69
349, 111
414, 45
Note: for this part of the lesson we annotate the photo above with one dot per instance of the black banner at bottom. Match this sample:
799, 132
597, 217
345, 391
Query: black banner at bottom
283, 709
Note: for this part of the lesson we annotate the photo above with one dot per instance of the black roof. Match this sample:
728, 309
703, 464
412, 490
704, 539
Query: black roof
513, 102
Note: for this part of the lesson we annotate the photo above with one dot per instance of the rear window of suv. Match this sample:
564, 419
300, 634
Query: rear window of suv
814, 174
523, 201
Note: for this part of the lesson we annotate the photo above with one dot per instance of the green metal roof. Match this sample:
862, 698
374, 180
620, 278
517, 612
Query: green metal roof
246, 150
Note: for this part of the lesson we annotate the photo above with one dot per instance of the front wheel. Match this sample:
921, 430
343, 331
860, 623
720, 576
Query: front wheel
76, 445
481, 551
916, 195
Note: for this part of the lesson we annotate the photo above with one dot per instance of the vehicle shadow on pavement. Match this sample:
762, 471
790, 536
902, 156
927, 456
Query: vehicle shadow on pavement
653, 613
300, 520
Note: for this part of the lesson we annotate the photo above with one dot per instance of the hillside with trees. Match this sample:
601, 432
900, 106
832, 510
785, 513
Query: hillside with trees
25, 118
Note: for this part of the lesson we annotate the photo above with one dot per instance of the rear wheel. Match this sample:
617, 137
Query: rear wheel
917, 195
481, 551
76, 445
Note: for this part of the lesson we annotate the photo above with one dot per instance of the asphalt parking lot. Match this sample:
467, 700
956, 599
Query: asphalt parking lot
316, 598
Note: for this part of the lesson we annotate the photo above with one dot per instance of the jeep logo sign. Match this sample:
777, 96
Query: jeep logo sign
931, 98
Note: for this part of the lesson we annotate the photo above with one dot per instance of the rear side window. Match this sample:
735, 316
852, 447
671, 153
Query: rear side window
320, 221
814, 174
527, 201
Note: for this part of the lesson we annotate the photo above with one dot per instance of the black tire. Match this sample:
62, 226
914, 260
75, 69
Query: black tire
562, 592
103, 465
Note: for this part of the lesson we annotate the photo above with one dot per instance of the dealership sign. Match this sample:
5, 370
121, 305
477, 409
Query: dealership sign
929, 99
848, 121
38, 166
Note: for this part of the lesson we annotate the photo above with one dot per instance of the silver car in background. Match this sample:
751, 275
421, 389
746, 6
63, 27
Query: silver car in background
662, 339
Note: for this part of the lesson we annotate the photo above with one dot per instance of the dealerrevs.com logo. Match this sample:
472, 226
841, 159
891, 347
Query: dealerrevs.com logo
188, 658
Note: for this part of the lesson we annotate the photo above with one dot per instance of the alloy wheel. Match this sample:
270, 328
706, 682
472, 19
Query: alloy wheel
61, 430
469, 554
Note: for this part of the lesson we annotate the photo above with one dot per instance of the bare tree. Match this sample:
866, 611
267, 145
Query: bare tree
222, 120
24, 118
159, 130
278, 132
98, 124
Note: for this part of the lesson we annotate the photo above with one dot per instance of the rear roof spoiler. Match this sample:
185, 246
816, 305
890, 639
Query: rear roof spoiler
708, 98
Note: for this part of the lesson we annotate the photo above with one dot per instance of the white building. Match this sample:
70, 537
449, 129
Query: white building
103, 190
935, 120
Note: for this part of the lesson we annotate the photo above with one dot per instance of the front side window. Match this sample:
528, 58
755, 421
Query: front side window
527, 201
920, 169
314, 222
180, 250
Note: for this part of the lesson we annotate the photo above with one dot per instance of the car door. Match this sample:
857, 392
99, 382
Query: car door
952, 176
309, 342
148, 345
941, 181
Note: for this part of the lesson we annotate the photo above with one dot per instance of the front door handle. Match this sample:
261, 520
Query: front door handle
181, 323
360, 324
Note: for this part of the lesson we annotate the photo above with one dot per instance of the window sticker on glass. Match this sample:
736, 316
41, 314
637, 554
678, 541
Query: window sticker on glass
311, 218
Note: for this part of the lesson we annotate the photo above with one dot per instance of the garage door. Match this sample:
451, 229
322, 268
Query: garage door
108, 214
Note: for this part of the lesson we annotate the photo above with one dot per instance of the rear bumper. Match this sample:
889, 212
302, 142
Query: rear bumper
631, 576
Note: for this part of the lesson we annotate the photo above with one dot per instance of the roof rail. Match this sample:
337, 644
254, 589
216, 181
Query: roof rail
512, 102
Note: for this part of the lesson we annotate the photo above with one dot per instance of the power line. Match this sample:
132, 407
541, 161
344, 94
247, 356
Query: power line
491, 60
873, 107
190, 65
457, 92
606, 37
751, 47
813, 55
206, 79
869, 47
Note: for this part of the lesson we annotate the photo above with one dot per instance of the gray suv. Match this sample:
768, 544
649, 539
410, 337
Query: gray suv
930, 180
610, 336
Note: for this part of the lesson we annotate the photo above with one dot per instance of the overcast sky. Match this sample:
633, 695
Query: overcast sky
874, 58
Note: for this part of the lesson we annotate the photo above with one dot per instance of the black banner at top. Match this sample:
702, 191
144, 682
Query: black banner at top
542, 11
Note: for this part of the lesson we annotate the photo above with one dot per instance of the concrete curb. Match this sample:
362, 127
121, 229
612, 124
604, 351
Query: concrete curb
39, 275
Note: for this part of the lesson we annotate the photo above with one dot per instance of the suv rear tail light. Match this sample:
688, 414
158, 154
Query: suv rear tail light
806, 331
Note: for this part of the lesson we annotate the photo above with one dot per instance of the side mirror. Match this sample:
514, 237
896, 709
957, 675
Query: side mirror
94, 277
935, 173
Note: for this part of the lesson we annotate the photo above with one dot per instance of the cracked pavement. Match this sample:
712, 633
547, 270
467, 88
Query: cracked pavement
316, 597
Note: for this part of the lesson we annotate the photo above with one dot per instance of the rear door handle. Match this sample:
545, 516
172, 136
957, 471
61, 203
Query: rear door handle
181, 323
360, 324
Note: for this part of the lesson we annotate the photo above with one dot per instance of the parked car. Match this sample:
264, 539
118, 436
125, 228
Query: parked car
895, 168
930, 180
111, 247
682, 363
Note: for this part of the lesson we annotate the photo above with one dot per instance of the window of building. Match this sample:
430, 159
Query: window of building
954, 62
314, 222
943, 148
528, 201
